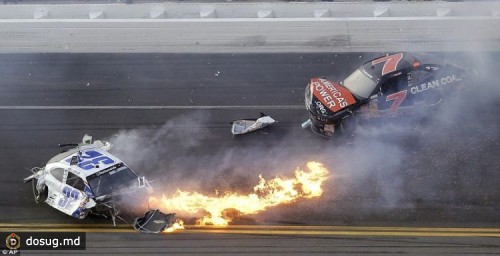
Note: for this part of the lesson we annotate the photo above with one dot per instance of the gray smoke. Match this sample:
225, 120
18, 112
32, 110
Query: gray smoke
175, 156
389, 169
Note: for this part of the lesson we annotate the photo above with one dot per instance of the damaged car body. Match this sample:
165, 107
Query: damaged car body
88, 179
388, 86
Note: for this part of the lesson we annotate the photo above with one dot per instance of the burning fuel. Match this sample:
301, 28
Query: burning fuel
220, 210
178, 224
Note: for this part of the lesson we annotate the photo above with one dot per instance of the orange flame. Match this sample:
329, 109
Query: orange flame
221, 210
178, 224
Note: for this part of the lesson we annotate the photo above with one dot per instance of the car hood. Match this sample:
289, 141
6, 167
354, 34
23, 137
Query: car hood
328, 97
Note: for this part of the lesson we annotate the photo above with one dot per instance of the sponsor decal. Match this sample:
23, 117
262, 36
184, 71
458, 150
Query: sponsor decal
112, 168
451, 79
331, 95
320, 107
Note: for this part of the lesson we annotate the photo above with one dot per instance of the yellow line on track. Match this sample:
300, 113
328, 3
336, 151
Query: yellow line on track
266, 230
347, 233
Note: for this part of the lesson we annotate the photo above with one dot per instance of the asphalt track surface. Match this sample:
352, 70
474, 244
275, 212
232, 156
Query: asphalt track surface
48, 99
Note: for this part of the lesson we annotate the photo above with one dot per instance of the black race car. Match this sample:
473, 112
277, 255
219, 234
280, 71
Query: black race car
387, 86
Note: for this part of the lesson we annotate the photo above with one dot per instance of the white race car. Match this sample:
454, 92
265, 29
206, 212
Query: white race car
88, 179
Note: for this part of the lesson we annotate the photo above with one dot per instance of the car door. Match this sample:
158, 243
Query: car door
53, 181
392, 95
425, 88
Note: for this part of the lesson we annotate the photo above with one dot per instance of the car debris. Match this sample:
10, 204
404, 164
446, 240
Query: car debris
249, 125
154, 221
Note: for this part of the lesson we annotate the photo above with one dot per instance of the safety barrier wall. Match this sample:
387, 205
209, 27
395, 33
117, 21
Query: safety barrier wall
263, 27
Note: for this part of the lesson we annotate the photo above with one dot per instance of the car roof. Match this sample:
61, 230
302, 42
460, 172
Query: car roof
85, 166
376, 72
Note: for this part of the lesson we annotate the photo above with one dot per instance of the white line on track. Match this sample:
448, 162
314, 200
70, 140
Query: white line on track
264, 107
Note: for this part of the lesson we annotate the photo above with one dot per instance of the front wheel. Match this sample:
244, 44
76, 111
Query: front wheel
347, 126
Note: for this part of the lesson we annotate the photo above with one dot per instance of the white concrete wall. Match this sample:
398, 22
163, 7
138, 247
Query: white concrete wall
293, 27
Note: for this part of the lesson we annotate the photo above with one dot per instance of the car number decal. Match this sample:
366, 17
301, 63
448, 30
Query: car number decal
70, 195
92, 158
390, 62
398, 98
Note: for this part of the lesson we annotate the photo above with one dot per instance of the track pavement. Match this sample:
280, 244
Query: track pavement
48, 99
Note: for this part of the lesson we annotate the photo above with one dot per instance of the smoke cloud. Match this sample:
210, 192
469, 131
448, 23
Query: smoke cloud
390, 169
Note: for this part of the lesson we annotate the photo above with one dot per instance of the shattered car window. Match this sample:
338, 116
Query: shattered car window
111, 180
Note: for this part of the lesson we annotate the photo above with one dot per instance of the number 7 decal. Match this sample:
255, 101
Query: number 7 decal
398, 97
390, 62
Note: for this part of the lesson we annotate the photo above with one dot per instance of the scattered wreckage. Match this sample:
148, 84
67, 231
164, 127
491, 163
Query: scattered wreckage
86, 179
154, 221
244, 126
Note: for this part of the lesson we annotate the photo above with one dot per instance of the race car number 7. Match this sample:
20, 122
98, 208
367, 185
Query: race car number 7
398, 98
390, 62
